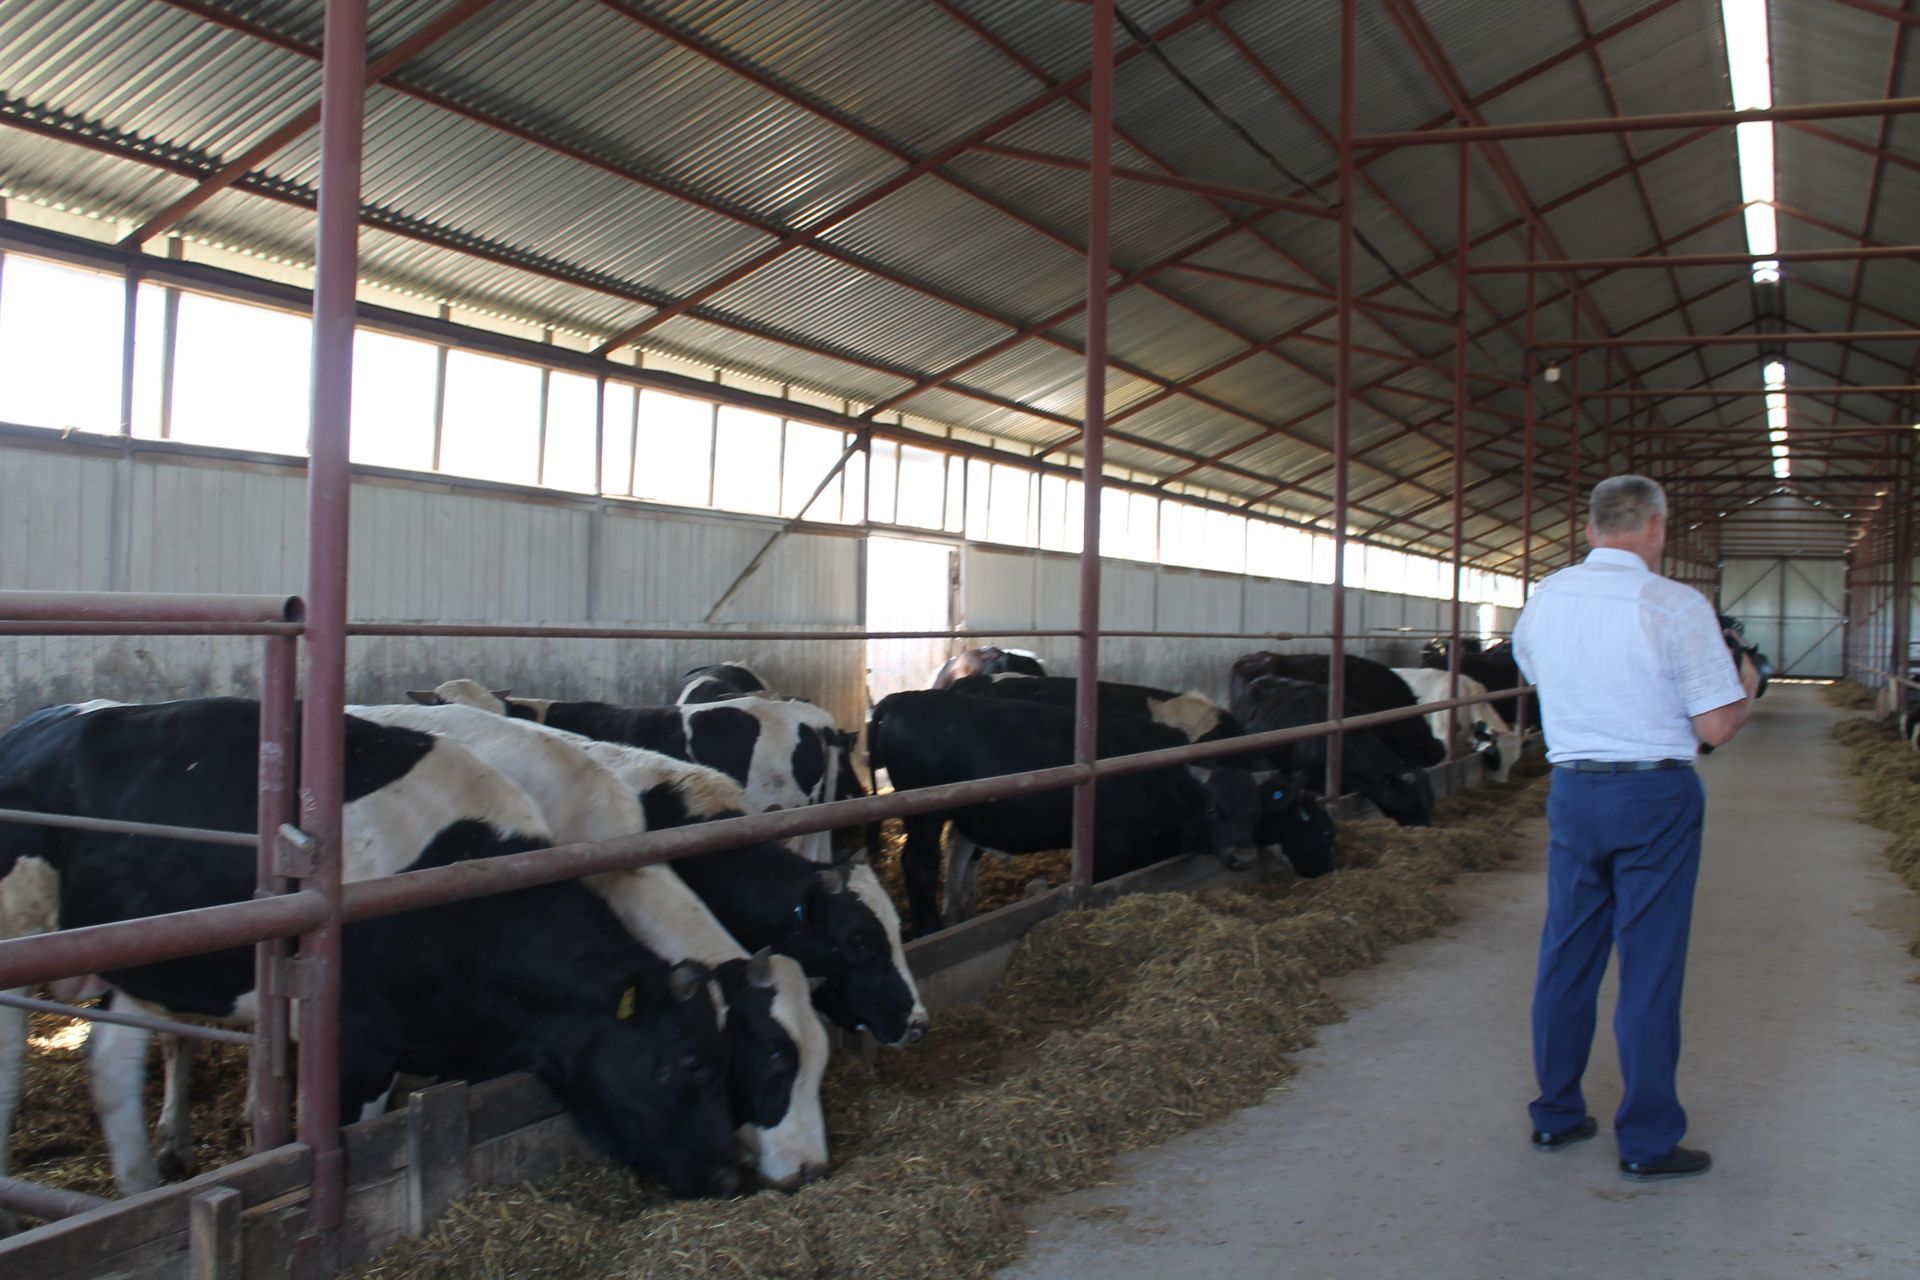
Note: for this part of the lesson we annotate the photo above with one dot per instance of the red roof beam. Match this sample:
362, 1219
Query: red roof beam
1722, 119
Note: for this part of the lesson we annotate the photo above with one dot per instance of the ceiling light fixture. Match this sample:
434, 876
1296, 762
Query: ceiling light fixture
1750, 68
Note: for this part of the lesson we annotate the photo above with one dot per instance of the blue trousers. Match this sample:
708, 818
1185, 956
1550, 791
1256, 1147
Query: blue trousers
1620, 873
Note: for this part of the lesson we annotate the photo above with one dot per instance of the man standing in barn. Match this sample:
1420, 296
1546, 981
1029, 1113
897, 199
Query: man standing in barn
1634, 673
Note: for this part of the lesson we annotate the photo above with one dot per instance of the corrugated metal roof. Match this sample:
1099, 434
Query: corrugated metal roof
740, 123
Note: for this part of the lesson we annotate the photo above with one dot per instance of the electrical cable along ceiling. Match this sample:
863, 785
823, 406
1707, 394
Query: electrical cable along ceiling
885, 201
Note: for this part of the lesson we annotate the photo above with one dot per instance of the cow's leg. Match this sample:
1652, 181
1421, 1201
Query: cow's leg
173, 1136
963, 877
29, 904
13, 1075
920, 868
117, 1062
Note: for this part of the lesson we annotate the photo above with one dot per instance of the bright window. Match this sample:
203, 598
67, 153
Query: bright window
746, 473
1010, 514
492, 424
392, 401
60, 345
812, 452
241, 376
570, 427
616, 451
676, 450
921, 496
884, 486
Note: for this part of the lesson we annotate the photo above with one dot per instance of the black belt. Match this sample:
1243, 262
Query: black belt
1620, 766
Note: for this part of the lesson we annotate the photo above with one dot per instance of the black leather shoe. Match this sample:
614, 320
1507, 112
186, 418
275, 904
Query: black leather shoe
1681, 1162
1572, 1137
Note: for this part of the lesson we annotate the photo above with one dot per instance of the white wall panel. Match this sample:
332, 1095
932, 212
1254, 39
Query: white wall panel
56, 520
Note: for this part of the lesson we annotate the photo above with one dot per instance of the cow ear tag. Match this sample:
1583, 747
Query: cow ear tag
625, 1011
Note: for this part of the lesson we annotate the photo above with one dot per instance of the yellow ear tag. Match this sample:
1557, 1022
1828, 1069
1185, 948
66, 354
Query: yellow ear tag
625, 1010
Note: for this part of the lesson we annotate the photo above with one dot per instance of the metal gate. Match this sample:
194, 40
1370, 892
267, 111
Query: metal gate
1792, 609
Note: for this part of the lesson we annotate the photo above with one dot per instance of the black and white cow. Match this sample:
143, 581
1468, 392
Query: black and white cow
784, 755
1482, 730
1367, 764
839, 922
410, 799
1293, 818
931, 737
987, 660
719, 683
1493, 666
1370, 686
779, 1049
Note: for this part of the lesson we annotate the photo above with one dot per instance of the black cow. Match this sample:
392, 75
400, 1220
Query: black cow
930, 737
544, 991
1370, 687
988, 661
1367, 764
720, 682
1293, 817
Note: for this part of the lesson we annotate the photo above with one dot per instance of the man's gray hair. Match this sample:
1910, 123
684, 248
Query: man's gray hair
1622, 504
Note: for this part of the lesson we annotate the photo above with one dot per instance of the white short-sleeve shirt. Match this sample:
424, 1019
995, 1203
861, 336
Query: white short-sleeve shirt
1624, 659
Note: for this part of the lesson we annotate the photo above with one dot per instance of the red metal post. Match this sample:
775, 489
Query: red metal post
1093, 435
1462, 210
1526, 463
1573, 447
1342, 398
322, 749
268, 1066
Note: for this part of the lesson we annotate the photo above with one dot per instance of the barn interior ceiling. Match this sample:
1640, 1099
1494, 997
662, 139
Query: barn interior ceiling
885, 201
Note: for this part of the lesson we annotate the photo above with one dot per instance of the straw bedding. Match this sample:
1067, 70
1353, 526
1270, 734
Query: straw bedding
56, 1137
1887, 771
1112, 1030
1850, 695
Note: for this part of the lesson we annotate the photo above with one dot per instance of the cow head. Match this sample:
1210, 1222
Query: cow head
1294, 818
463, 693
777, 1053
846, 932
1229, 805
647, 1082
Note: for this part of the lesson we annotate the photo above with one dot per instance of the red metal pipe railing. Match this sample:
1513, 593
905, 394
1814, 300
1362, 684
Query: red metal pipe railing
51, 1203
146, 607
151, 939
125, 1018
126, 944
114, 826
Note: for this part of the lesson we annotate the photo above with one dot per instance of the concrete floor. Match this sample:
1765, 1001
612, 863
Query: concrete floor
1400, 1148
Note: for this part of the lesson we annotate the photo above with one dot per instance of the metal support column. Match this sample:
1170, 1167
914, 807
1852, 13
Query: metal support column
322, 750
1530, 372
1573, 443
1901, 621
1461, 235
268, 1065
1093, 436
1342, 397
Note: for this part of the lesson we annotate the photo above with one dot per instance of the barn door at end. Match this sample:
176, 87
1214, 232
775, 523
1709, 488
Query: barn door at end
1791, 609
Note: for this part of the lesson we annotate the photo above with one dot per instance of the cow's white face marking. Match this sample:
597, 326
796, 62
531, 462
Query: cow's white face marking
866, 886
794, 1150
1193, 715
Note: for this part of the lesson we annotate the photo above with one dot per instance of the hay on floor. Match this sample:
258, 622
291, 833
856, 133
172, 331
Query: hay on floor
1111, 1030
1887, 782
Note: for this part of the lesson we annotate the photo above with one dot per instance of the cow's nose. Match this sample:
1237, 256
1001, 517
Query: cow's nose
726, 1182
917, 1030
812, 1173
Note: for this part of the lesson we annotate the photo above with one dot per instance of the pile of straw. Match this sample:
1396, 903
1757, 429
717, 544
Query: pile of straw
1888, 785
1112, 1030
1850, 695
